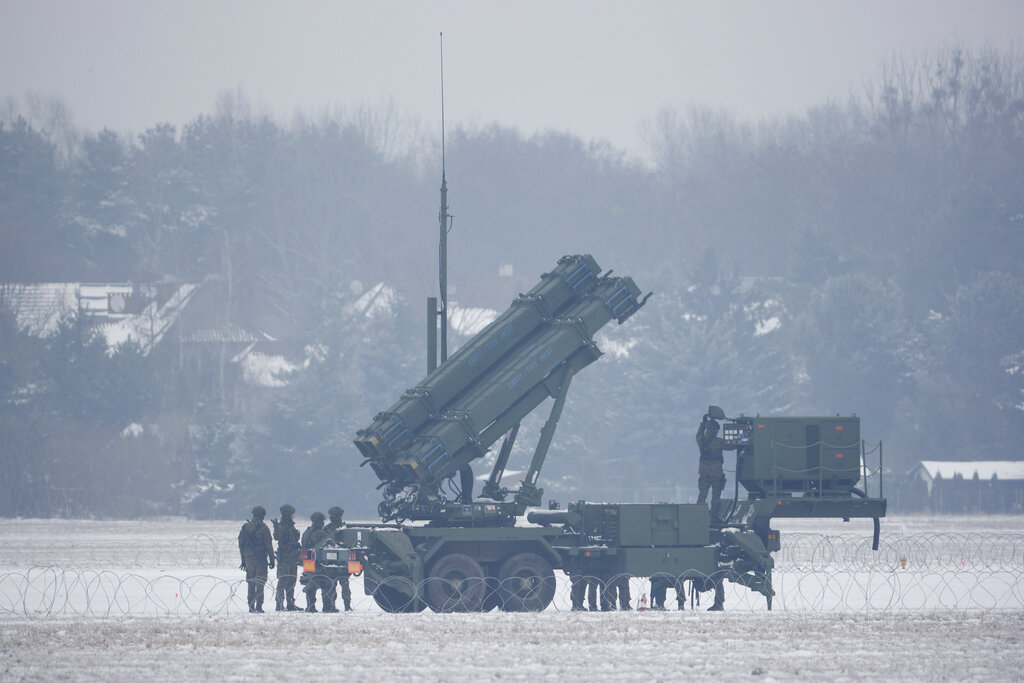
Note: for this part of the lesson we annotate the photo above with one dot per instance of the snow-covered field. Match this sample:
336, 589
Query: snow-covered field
163, 599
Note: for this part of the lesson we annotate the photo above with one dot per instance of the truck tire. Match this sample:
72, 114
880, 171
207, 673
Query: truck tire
527, 583
390, 599
456, 583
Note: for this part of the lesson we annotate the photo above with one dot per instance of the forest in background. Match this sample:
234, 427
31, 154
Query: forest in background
861, 257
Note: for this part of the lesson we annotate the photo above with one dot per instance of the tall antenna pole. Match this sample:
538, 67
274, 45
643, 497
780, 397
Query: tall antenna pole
443, 219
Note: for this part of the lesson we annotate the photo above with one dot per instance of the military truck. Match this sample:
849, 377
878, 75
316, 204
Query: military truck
438, 546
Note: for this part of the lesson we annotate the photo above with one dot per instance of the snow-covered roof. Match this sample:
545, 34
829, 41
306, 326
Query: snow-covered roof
149, 326
469, 321
38, 308
121, 311
225, 334
947, 469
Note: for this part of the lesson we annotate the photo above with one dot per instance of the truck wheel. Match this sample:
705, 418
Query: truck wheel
393, 600
527, 583
456, 584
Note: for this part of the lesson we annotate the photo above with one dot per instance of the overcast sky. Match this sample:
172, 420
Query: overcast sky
599, 68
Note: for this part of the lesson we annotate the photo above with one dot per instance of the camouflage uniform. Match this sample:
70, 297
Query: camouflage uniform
717, 583
287, 537
584, 589
257, 550
659, 591
311, 537
711, 459
616, 587
336, 514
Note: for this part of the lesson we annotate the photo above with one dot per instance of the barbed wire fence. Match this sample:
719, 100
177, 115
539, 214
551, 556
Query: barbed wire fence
813, 573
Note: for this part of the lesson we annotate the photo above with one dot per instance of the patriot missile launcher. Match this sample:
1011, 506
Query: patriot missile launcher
474, 554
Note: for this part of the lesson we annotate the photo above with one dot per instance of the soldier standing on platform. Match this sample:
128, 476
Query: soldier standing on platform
711, 474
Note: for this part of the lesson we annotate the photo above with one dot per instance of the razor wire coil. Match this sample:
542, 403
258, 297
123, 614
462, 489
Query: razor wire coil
813, 572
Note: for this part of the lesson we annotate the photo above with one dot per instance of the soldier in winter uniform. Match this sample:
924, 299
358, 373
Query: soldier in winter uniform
584, 589
311, 537
287, 537
336, 514
660, 583
616, 587
711, 459
257, 551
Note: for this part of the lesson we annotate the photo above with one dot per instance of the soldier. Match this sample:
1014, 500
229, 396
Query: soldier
711, 459
617, 586
287, 537
336, 514
719, 603
311, 537
257, 550
660, 584
583, 589
659, 590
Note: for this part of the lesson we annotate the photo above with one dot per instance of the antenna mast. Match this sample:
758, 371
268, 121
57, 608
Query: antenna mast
444, 220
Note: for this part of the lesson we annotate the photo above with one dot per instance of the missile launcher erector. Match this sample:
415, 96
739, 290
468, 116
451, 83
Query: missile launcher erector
526, 355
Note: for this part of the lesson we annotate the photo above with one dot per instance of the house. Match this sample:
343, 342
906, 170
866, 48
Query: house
187, 320
982, 486
120, 311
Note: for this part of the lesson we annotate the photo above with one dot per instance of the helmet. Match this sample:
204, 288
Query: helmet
287, 509
316, 517
336, 511
258, 511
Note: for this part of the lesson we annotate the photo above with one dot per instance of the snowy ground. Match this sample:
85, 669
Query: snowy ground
163, 599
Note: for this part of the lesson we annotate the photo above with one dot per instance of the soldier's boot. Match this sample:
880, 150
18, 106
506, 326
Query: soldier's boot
279, 604
330, 607
259, 606
252, 607
330, 599
291, 604
719, 598
311, 602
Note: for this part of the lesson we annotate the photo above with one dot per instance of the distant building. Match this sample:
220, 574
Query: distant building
120, 311
983, 486
215, 358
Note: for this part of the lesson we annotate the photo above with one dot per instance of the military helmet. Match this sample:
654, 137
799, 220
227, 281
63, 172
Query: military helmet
336, 511
258, 511
316, 517
287, 509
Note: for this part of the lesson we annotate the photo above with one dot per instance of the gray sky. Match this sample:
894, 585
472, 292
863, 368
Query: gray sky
599, 68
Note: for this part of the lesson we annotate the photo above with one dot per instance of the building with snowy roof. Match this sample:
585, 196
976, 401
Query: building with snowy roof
121, 312
980, 486
213, 356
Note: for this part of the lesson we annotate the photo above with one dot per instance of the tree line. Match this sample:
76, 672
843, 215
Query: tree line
860, 257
